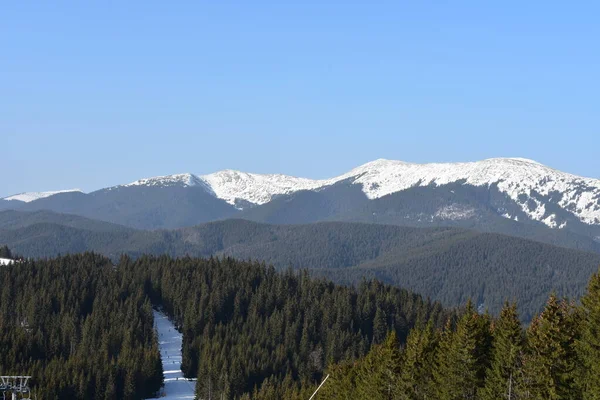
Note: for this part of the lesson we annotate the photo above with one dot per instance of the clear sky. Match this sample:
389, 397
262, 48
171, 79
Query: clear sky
94, 94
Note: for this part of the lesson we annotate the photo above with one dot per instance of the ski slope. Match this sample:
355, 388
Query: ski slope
169, 340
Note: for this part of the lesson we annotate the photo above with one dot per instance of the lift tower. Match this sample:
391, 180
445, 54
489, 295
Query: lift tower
16, 386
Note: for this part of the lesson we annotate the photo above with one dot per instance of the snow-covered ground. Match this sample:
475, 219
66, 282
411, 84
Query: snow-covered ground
169, 339
6, 261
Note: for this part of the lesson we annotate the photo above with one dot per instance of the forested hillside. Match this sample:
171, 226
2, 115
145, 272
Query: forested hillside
483, 358
139, 207
83, 327
243, 323
446, 264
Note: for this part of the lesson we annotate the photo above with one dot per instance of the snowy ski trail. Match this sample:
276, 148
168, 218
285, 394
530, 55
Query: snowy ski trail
169, 340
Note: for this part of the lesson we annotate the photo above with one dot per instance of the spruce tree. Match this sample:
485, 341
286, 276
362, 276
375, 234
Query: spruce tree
549, 367
377, 375
588, 345
380, 326
505, 369
341, 384
5, 252
416, 375
461, 357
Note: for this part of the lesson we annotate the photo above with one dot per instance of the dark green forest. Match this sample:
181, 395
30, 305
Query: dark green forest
446, 264
479, 357
80, 327
83, 326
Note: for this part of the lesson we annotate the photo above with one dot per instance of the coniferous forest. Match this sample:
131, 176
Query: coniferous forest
80, 327
83, 327
479, 357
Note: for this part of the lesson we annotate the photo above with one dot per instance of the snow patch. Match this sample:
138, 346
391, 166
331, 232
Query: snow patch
455, 212
550, 220
6, 261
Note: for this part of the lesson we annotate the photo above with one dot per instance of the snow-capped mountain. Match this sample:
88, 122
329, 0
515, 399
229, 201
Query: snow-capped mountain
520, 179
230, 185
185, 180
32, 196
518, 189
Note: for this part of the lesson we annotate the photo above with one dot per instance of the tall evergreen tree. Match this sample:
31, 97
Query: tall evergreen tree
588, 345
416, 375
378, 373
341, 384
549, 367
462, 355
5, 252
507, 353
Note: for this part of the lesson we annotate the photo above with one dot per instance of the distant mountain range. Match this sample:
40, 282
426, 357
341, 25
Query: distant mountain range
447, 264
505, 195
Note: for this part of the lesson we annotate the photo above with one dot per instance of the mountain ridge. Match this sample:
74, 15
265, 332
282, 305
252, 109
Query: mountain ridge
531, 192
516, 177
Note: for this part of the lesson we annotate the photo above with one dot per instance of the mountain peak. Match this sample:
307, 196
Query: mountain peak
28, 197
186, 179
230, 185
512, 159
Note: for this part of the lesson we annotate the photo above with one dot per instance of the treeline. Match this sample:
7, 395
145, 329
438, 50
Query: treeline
81, 328
479, 357
249, 329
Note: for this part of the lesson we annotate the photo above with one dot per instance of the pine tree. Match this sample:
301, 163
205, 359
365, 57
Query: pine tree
341, 384
462, 357
505, 369
5, 252
377, 375
416, 375
588, 345
111, 391
380, 326
549, 367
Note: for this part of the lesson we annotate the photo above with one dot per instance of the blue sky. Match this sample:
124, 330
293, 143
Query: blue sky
100, 94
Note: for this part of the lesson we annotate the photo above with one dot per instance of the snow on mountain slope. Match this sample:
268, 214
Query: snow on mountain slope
168, 180
528, 183
516, 177
32, 196
256, 188
185, 180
